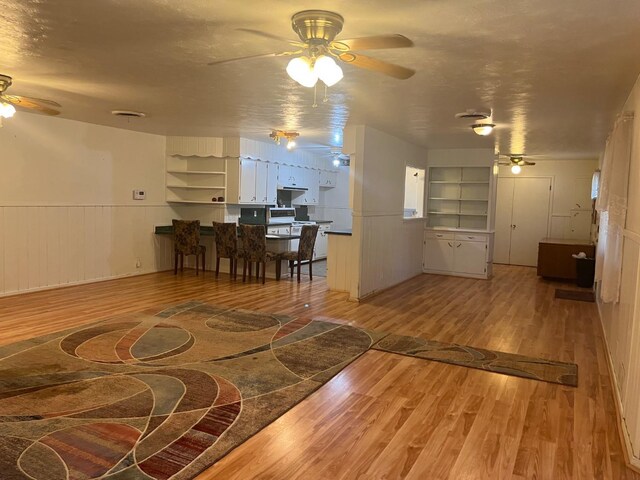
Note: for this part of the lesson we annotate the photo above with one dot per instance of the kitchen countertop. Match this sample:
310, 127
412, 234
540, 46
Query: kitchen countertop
206, 231
339, 232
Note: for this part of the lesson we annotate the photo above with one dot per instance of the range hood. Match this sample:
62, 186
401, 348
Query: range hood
293, 189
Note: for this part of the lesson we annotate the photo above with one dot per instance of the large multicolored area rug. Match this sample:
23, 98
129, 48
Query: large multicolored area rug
158, 394
165, 393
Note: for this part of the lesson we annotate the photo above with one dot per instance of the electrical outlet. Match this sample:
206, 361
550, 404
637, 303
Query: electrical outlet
138, 263
139, 195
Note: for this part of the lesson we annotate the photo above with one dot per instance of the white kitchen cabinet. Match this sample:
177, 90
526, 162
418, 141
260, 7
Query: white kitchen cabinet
290, 176
438, 252
307, 179
262, 177
248, 182
322, 242
327, 178
466, 254
272, 183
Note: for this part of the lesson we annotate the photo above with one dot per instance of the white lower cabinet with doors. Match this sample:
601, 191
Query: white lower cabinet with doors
322, 243
460, 253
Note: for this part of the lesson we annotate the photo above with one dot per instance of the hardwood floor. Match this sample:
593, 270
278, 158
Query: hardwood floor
389, 416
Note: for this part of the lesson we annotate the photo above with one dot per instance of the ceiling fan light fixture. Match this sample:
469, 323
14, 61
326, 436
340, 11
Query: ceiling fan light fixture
516, 169
7, 110
300, 70
327, 70
291, 143
482, 129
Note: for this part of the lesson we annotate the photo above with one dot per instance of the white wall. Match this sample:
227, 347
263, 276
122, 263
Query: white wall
386, 248
621, 322
67, 213
570, 213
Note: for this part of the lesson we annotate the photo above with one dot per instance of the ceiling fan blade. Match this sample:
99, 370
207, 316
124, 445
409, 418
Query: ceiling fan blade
30, 103
270, 36
376, 65
372, 43
51, 103
253, 57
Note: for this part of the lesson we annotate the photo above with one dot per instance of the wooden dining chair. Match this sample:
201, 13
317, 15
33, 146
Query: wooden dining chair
226, 238
186, 241
254, 250
308, 235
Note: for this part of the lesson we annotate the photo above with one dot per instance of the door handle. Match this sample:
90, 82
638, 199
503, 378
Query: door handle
458, 245
449, 243
513, 227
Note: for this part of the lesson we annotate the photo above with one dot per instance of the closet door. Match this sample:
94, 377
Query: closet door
504, 209
529, 219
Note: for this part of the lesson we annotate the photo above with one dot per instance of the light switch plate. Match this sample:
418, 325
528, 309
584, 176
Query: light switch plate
139, 194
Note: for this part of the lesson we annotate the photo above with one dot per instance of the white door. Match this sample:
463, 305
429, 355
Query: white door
522, 219
470, 257
438, 254
504, 210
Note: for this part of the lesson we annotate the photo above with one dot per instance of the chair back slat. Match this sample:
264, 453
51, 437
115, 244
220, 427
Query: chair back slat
254, 242
186, 236
226, 238
308, 235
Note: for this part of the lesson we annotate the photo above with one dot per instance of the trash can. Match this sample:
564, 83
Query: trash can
585, 271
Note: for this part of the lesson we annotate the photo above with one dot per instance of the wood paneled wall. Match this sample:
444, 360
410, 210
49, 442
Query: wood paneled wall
48, 246
621, 321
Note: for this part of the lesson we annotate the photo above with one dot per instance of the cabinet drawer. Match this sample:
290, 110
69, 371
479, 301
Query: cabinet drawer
440, 235
471, 237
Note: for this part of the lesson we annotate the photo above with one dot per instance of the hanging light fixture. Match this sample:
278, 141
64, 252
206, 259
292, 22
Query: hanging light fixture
278, 135
7, 110
482, 128
516, 169
300, 69
306, 71
327, 70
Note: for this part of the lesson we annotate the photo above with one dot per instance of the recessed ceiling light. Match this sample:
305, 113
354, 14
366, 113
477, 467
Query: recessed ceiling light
128, 113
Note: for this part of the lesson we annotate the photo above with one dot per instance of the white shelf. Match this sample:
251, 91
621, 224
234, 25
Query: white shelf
457, 188
196, 187
458, 214
195, 172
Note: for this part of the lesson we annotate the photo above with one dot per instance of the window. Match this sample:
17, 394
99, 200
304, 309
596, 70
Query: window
414, 192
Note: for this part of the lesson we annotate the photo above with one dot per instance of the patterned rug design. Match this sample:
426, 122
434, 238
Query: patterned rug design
158, 394
581, 296
490, 360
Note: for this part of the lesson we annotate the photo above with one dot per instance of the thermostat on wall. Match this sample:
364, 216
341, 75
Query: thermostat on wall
139, 194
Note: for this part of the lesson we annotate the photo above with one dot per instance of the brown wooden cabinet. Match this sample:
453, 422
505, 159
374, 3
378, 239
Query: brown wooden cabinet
555, 260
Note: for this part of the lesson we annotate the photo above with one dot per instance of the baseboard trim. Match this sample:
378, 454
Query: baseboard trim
77, 283
627, 449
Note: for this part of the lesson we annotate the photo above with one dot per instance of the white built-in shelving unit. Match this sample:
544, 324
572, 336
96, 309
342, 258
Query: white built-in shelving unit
459, 197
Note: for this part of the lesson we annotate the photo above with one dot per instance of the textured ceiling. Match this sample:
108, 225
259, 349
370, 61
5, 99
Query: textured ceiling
555, 73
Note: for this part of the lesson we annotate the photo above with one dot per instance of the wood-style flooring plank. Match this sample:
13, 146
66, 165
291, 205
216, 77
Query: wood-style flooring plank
390, 416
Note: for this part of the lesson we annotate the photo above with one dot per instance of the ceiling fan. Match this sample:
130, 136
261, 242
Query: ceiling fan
317, 30
516, 162
9, 102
